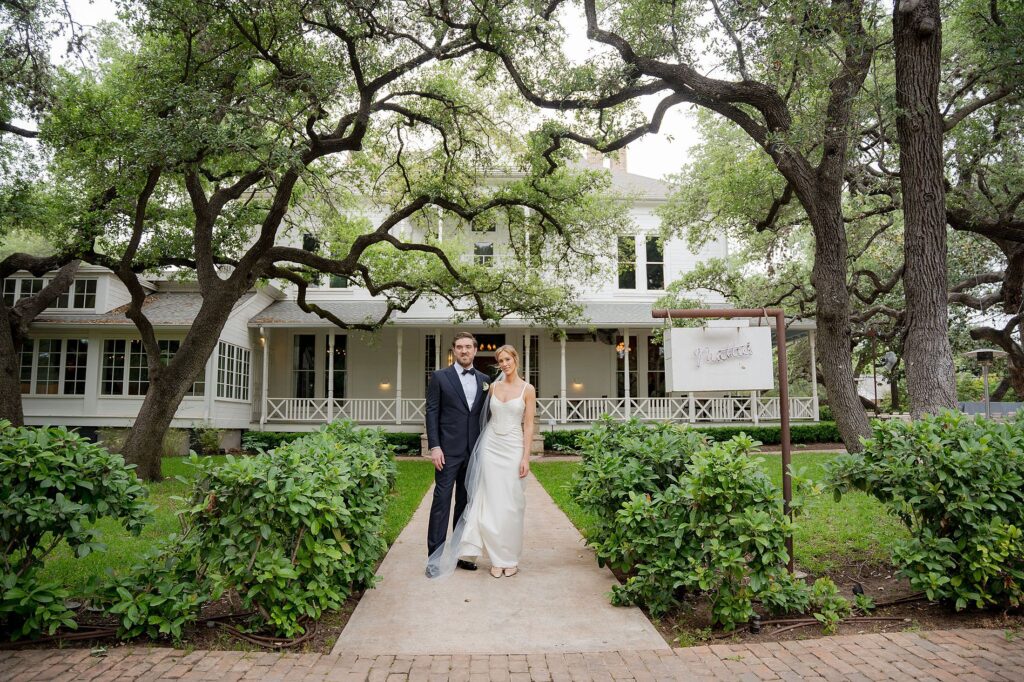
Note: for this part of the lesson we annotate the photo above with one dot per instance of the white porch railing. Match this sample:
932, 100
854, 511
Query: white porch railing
576, 410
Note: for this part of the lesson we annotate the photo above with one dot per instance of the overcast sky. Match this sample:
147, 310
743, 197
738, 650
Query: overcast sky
652, 155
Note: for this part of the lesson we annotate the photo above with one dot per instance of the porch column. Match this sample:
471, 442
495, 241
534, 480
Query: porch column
625, 366
755, 396
692, 407
814, 376
398, 382
330, 376
266, 371
563, 402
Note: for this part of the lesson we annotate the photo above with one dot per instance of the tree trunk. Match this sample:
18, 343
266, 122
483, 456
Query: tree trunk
14, 324
10, 371
1004, 385
917, 41
834, 348
143, 447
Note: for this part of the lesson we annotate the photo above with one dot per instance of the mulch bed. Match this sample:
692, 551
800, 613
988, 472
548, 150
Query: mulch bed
688, 626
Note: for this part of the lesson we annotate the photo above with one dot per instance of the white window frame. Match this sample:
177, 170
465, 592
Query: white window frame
61, 369
18, 291
126, 369
234, 381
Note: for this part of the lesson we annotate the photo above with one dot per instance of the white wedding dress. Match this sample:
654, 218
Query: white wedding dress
494, 517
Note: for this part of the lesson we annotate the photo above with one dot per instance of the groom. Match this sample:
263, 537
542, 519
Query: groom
455, 397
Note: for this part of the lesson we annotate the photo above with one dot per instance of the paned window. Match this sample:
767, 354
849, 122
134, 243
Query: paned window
232, 371
54, 366
483, 253
10, 291
85, 293
655, 264
76, 354
80, 295
627, 262
138, 368
112, 374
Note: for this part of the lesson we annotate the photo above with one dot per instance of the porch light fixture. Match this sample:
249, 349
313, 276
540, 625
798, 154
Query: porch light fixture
577, 385
385, 385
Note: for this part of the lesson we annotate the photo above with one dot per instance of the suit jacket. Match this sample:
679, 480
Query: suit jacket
451, 424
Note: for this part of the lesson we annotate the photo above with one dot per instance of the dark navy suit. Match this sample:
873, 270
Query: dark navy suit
454, 427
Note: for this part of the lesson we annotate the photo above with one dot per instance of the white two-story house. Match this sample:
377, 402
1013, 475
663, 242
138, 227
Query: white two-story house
278, 368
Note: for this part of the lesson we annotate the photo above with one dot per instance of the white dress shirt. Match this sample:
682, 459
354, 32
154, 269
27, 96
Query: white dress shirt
468, 383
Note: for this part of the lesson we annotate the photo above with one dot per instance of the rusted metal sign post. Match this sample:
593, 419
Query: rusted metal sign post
780, 345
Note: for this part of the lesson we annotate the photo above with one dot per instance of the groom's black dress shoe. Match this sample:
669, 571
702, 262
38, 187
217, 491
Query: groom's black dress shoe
466, 565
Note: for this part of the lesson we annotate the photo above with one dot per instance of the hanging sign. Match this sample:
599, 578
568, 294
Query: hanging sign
719, 359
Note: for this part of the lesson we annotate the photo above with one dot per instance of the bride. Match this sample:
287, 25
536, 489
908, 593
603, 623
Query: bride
493, 519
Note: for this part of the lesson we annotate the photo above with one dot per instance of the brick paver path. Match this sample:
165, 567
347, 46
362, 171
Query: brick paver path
948, 655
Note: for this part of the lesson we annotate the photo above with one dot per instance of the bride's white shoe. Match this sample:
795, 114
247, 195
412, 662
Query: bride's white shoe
495, 572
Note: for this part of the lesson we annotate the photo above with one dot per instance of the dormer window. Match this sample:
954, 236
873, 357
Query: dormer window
80, 296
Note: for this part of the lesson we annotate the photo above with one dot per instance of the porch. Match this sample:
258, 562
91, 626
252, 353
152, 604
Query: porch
550, 411
307, 372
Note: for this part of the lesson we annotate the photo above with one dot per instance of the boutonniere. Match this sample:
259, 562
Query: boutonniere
486, 386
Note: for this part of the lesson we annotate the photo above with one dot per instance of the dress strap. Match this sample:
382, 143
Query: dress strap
523, 392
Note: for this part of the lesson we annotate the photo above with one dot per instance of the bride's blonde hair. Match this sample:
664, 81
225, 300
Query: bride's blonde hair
511, 351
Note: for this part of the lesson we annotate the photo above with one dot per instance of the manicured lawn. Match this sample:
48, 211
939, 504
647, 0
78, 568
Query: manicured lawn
828, 535
414, 478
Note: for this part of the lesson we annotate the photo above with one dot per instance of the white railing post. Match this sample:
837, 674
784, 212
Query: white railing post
564, 402
754, 398
814, 377
692, 408
398, 382
330, 376
265, 371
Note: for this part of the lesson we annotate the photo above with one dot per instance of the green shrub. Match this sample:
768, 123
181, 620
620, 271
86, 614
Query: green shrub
957, 483
679, 513
54, 486
290, 532
825, 413
403, 443
206, 438
268, 440
818, 432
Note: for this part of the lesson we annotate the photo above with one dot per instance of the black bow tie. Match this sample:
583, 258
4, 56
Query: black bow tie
466, 371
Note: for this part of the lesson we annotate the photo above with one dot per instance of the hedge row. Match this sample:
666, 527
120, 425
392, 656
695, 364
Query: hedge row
289, 533
403, 443
819, 432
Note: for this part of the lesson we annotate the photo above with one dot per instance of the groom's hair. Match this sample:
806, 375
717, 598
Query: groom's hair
465, 335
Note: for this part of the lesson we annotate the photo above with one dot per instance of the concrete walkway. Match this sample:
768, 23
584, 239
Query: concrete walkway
951, 655
558, 602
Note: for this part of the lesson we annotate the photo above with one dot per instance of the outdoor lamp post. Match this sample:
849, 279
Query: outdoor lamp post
985, 356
